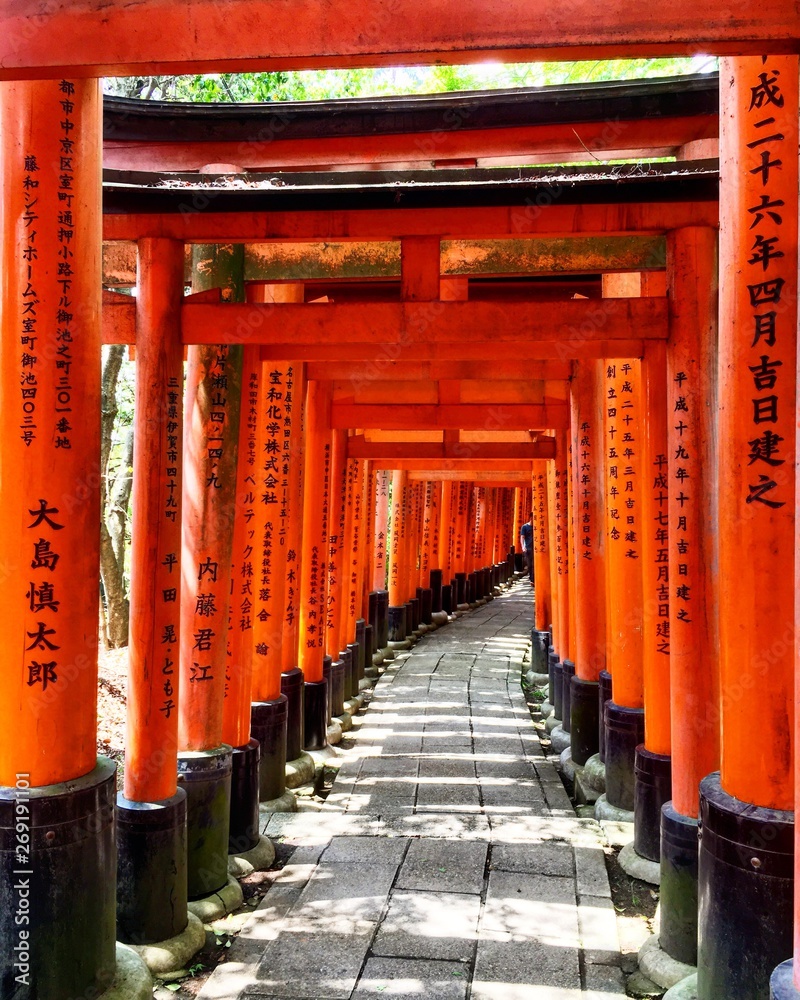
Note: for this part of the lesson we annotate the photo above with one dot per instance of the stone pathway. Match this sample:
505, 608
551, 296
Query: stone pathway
447, 862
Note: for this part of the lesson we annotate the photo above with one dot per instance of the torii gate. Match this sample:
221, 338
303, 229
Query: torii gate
52, 331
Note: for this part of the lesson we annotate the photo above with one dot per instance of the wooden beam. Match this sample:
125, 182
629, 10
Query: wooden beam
391, 370
94, 38
466, 416
381, 325
419, 455
504, 477
118, 318
551, 218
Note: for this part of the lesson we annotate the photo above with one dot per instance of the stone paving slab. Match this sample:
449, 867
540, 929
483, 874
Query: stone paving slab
447, 861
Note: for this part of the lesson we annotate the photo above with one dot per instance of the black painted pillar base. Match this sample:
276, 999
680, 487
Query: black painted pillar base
678, 892
269, 725
448, 599
781, 985
652, 774
245, 783
461, 588
369, 648
540, 642
64, 879
151, 869
567, 674
397, 623
425, 598
624, 732
205, 776
292, 686
351, 674
412, 616
436, 590
316, 715
335, 681
382, 638
472, 587
558, 687
327, 676
605, 695
361, 664
584, 719
745, 893
372, 609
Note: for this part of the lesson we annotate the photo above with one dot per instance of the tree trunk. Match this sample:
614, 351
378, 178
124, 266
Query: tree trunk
112, 556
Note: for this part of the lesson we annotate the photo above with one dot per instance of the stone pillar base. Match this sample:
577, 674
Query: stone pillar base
175, 952
781, 985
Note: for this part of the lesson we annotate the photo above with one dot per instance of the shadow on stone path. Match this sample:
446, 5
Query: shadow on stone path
447, 862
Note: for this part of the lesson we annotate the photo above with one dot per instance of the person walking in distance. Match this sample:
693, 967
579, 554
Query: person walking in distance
526, 539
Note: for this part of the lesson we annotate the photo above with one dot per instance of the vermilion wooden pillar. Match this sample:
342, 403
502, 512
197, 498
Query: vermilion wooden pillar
624, 715
335, 611
397, 553
261, 539
212, 410
314, 547
691, 543
588, 503
653, 765
541, 547
49, 480
292, 680
747, 905
152, 883
446, 531
382, 481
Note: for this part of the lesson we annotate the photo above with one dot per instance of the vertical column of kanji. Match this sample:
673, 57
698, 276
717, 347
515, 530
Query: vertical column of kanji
63, 875
519, 520
436, 559
653, 763
396, 552
686, 536
245, 778
379, 597
410, 553
151, 841
460, 545
446, 515
588, 504
543, 614
337, 667
352, 563
316, 510
212, 405
292, 681
347, 609
267, 387
624, 713
562, 670
569, 664
365, 522
745, 903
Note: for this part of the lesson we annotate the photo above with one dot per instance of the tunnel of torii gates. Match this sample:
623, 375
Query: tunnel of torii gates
367, 345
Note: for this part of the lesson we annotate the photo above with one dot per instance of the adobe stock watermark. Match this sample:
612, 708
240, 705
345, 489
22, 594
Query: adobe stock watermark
21, 886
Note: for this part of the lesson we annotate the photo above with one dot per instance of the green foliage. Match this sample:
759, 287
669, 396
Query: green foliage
320, 85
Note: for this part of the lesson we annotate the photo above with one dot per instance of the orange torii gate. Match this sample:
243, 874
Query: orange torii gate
754, 487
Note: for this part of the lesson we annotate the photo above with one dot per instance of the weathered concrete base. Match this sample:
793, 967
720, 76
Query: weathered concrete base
569, 769
546, 710
133, 980
257, 859
299, 771
463, 607
662, 968
559, 740
440, 618
334, 734
537, 680
684, 990
638, 867
638, 985
781, 982
551, 722
286, 803
218, 904
322, 757
345, 721
584, 794
400, 645
354, 705
365, 684
603, 810
175, 952
594, 774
